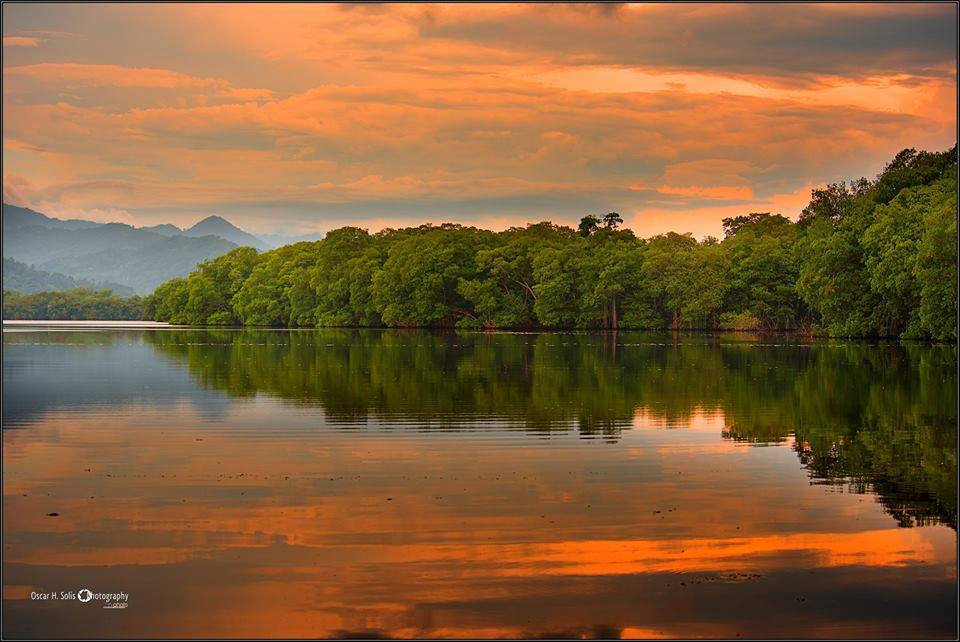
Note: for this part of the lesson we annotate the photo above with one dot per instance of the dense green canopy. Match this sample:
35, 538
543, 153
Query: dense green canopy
73, 305
869, 258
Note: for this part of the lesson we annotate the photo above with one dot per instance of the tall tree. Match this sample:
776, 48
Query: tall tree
612, 220
588, 225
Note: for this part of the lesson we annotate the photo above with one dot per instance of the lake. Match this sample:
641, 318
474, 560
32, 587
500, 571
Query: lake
402, 483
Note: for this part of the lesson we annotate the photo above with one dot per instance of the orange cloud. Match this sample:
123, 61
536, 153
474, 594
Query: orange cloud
73, 74
711, 193
21, 41
707, 220
296, 116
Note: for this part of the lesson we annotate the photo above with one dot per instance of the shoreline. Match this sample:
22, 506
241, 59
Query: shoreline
106, 324
102, 323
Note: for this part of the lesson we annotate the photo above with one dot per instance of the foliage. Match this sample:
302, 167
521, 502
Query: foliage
762, 270
869, 262
418, 283
936, 272
612, 220
26, 279
72, 305
588, 225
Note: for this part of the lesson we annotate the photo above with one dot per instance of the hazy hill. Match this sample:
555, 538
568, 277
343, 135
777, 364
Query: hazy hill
26, 279
144, 264
14, 216
164, 228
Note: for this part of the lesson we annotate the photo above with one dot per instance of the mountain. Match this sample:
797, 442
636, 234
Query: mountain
217, 226
67, 252
214, 226
15, 217
26, 279
104, 252
164, 228
142, 263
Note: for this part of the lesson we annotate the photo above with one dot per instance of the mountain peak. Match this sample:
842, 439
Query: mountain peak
214, 221
219, 226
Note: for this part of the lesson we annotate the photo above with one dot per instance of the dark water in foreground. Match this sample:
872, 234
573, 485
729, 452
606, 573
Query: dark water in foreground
338, 483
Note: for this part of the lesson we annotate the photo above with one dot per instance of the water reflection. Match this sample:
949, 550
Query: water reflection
413, 484
875, 418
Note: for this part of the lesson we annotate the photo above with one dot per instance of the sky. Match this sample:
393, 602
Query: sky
302, 118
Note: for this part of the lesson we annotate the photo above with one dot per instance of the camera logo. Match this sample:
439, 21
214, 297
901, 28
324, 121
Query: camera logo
85, 595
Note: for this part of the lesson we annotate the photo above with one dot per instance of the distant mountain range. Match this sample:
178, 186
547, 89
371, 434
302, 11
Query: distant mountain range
223, 228
52, 251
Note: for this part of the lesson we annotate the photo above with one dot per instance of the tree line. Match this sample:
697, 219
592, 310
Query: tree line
80, 304
865, 258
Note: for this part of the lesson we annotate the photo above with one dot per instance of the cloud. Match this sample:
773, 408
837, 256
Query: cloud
73, 76
21, 41
710, 180
108, 75
705, 218
780, 44
305, 115
336, 144
18, 189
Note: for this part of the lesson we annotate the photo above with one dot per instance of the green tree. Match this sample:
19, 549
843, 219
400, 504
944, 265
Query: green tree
761, 270
610, 271
214, 283
557, 286
419, 283
503, 294
588, 225
665, 275
936, 270
612, 220
78, 304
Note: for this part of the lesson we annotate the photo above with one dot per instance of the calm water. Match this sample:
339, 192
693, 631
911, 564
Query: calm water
338, 483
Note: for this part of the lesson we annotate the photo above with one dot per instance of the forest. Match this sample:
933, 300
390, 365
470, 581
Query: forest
865, 258
80, 304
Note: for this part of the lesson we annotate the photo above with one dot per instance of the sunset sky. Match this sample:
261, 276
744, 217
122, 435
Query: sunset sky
302, 118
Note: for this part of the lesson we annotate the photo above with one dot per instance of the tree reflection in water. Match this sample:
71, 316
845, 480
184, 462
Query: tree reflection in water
874, 418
